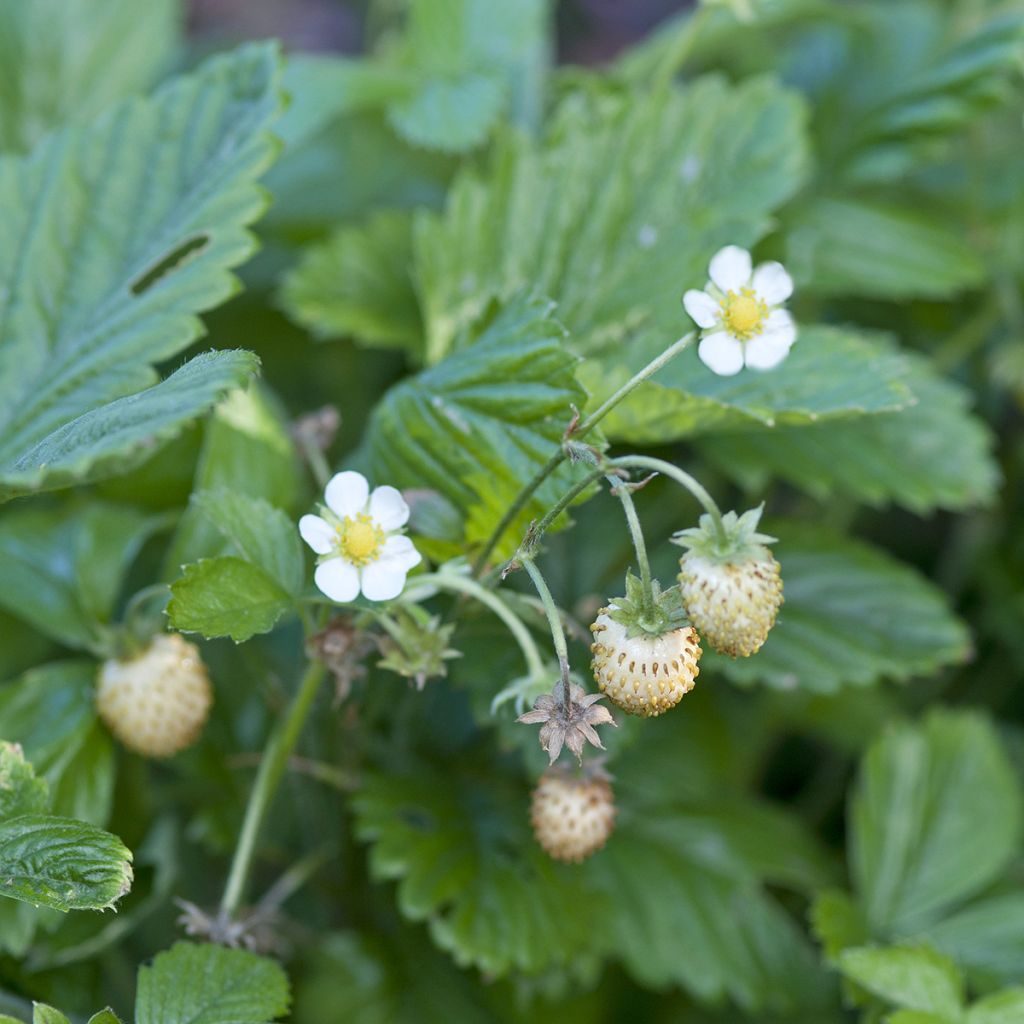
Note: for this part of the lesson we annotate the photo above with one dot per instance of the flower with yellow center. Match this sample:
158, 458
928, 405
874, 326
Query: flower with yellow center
740, 313
359, 540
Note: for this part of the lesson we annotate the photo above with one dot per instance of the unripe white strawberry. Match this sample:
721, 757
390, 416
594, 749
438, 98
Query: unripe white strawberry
572, 817
643, 674
156, 702
731, 590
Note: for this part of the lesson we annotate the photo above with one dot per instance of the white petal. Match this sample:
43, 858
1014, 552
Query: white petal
767, 350
402, 549
388, 508
722, 353
703, 309
772, 283
338, 579
384, 579
346, 494
317, 533
730, 268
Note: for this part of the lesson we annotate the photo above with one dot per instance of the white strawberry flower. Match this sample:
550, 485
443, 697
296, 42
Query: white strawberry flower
740, 313
359, 540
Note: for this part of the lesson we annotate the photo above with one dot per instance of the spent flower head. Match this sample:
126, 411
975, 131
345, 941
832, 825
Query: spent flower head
570, 727
740, 313
359, 540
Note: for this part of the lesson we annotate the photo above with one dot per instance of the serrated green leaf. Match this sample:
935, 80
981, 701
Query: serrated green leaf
51, 709
856, 246
247, 450
358, 283
460, 851
616, 214
478, 425
260, 533
912, 978
934, 818
62, 863
830, 374
64, 566
77, 346
932, 454
1001, 1008
226, 596
20, 791
192, 984
67, 60
852, 615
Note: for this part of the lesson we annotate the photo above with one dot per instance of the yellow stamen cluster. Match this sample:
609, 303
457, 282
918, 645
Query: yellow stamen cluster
360, 539
744, 313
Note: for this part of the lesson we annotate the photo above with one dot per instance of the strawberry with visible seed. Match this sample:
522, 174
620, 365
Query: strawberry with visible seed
572, 816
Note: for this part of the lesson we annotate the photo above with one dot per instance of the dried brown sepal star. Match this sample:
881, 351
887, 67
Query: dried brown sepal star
343, 649
571, 727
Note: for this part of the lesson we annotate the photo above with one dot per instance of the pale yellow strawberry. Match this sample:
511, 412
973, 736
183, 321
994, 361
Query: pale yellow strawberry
156, 702
644, 674
572, 817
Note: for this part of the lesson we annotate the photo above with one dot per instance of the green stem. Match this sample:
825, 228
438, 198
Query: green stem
578, 432
621, 491
272, 766
555, 623
470, 587
683, 479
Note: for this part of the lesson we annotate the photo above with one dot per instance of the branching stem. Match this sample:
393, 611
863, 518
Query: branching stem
555, 622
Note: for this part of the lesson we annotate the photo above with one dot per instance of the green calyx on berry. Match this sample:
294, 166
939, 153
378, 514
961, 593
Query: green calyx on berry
741, 539
666, 613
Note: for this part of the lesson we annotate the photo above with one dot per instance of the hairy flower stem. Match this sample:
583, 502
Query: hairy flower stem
272, 766
557, 632
683, 479
621, 491
576, 433
469, 587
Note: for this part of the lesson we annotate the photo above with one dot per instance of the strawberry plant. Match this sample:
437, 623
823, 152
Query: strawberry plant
489, 539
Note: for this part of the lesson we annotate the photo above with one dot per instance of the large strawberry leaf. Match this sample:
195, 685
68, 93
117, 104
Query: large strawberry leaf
118, 234
617, 213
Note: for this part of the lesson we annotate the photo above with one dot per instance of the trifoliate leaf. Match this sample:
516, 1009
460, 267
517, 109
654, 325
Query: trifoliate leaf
20, 791
51, 710
932, 454
912, 978
461, 852
478, 425
830, 374
935, 817
852, 615
63, 567
95, 297
191, 984
67, 60
616, 214
260, 533
358, 283
62, 863
226, 596
859, 247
